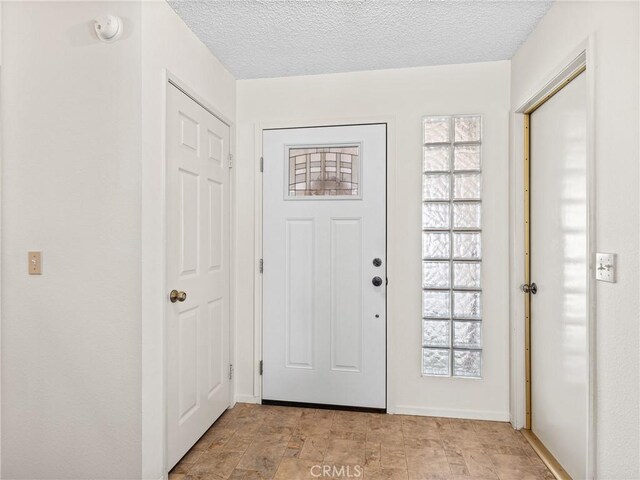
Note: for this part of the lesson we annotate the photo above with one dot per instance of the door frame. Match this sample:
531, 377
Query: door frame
581, 61
308, 122
154, 286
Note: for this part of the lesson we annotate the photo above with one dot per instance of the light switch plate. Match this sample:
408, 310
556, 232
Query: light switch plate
35, 263
606, 267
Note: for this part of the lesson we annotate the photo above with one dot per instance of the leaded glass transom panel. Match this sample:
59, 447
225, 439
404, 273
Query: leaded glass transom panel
324, 171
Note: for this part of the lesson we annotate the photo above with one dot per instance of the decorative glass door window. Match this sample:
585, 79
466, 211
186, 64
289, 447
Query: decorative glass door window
452, 246
322, 171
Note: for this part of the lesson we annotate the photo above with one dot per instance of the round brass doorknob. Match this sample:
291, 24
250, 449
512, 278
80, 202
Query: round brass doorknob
176, 296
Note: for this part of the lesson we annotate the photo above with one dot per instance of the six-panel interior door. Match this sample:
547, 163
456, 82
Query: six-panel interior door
324, 227
197, 153
559, 266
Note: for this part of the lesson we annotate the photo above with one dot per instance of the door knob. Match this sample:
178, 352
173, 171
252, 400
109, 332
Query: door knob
176, 296
377, 281
532, 289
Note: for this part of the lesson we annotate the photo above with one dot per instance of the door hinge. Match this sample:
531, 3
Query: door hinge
230, 160
262, 164
261, 367
230, 372
261, 265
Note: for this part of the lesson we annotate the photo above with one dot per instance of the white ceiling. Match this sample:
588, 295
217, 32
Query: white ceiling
274, 38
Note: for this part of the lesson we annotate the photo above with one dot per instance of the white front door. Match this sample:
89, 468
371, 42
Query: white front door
559, 267
325, 265
197, 153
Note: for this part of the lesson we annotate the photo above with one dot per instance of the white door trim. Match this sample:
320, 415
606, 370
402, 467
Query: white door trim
154, 293
390, 121
582, 54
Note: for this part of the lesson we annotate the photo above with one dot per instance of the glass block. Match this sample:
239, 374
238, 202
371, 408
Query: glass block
436, 362
467, 363
435, 304
436, 333
467, 305
437, 158
467, 215
435, 245
466, 186
467, 334
467, 129
436, 130
436, 187
467, 246
435, 216
466, 274
466, 157
436, 275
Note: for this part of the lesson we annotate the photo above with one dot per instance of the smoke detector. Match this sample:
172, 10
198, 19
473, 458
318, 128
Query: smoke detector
108, 28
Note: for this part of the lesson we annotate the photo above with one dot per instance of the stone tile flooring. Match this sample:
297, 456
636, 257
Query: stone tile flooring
266, 442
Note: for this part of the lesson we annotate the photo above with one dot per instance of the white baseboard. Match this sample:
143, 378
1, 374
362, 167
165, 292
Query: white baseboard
240, 398
452, 413
421, 411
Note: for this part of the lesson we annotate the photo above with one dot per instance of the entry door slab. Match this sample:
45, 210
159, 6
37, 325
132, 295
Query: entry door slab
324, 319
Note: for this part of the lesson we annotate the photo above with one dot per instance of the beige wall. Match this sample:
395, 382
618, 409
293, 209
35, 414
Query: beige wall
401, 97
83, 165
71, 363
611, 30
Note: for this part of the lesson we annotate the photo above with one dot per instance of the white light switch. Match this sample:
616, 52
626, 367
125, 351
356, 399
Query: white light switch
606, 267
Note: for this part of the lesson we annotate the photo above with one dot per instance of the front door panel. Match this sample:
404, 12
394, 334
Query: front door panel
324, 224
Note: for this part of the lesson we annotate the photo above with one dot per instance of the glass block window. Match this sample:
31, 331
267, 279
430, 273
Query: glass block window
322, 171
452, 246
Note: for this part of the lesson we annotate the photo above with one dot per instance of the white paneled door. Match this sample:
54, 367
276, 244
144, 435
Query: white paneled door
559, 267
197, 276
325, 265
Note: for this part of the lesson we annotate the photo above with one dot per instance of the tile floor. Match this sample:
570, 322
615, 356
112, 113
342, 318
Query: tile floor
266, 442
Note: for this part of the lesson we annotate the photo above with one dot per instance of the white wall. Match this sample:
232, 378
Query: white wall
167, 43
83, 181
401, 97
613, 31
71, 188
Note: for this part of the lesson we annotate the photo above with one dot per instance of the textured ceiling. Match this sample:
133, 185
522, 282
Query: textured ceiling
274, 38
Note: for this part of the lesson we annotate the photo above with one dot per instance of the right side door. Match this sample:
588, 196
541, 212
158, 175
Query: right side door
559, 267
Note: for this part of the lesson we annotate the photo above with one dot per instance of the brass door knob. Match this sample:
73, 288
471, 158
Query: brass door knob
176, 296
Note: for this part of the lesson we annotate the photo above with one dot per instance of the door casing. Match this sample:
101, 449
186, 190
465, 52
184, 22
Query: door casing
580, 63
